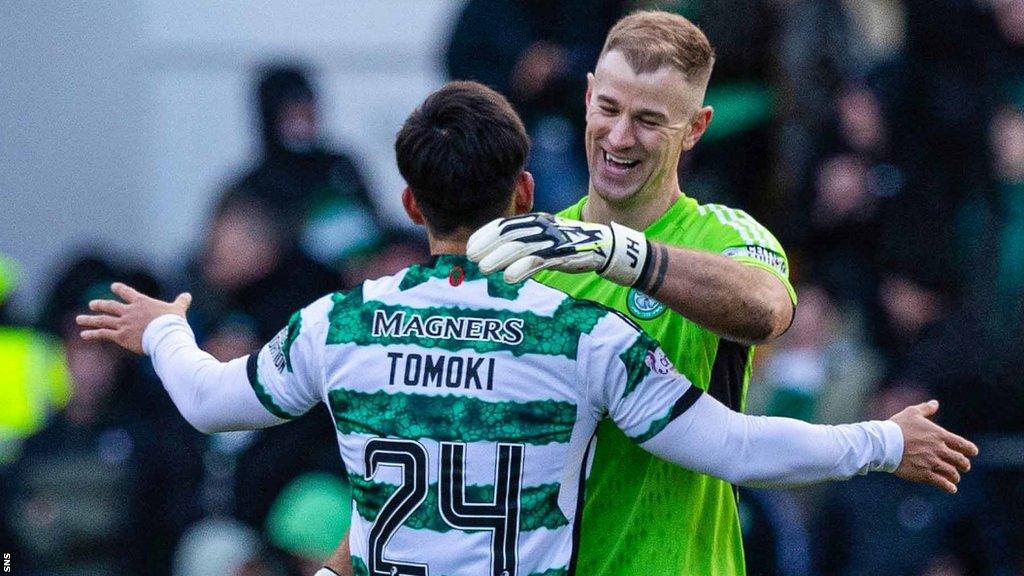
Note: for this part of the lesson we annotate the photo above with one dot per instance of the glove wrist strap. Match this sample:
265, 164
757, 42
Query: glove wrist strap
628, 256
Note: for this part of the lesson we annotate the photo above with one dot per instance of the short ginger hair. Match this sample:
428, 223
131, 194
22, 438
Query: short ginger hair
650, 39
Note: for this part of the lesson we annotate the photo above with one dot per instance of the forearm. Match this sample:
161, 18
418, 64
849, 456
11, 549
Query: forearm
213, 396
739, 302
340, 561
765, 452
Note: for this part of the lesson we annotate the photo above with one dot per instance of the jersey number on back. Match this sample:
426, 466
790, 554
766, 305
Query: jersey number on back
500, 516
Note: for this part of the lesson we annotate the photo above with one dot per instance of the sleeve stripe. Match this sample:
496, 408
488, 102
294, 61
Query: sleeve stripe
760, 234
749, 229
261, 392
685, 402
718, 212
678, 409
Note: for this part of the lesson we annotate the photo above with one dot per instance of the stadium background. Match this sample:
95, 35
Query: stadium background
881, 140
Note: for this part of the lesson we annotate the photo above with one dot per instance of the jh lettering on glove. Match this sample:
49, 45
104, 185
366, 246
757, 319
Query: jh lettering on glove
526, 244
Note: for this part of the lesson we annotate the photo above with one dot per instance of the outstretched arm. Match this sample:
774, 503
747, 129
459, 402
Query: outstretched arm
213, 396
629, 378
765, 452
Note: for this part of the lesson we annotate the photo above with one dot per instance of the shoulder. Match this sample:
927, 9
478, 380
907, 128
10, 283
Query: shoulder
727, 226
588, 317
324, 308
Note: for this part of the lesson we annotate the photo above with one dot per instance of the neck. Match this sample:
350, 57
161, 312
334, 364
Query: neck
638, 213
447, 246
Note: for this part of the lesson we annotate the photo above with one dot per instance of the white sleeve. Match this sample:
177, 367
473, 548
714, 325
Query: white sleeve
630, 379
213, 396
765, 452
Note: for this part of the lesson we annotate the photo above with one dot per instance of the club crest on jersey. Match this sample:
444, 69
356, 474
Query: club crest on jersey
643, 306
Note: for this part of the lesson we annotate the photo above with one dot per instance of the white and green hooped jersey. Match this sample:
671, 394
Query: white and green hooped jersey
465, 409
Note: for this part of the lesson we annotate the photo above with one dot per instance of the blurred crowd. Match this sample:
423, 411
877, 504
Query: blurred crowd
882, 141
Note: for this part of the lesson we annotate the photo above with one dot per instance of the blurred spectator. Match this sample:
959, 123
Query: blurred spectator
775, 538
246, 471
1007, 141
247, 282
222, 547
820, 370
33, 375
309, 519
733, 164
248, 278
815, 56
109, 481
317, 197
538, 54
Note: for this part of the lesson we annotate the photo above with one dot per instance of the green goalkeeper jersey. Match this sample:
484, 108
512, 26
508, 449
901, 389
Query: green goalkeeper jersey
642, 515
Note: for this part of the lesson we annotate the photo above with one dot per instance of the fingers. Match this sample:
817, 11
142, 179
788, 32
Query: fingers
98, 321
125, 292
940, 482
961, 445
483, 240
100, 334
929, 408
962, 463
183, 301
112, 307
525, 267
947, 471
505, 254
496, 235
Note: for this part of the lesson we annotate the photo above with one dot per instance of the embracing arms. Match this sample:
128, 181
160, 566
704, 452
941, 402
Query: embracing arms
742, 303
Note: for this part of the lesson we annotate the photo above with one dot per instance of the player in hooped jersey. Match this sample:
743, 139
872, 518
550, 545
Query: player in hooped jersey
466, 406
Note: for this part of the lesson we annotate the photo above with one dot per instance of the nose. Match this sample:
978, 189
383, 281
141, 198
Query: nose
621, 135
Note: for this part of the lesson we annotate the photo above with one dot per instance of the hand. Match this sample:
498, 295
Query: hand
931, 454
525, 244
124, 322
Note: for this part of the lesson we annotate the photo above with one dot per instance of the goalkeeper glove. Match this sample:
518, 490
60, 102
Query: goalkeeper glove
525, 244
325, 571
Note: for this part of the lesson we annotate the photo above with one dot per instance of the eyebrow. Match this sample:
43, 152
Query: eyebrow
643, 112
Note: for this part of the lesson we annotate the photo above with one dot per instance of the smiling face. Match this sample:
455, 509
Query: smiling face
638, 125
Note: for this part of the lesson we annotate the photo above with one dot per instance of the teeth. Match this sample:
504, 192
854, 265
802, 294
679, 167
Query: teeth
618, 160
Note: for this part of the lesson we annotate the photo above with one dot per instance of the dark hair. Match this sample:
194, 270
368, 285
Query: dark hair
461, 152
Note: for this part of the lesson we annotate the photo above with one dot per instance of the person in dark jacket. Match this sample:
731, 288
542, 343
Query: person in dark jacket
318, 196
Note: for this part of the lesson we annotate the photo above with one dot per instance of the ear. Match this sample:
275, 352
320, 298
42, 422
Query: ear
589, 92
409, 203
698, 126
523, 200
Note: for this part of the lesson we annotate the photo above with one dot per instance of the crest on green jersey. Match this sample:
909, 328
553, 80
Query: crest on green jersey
643, 306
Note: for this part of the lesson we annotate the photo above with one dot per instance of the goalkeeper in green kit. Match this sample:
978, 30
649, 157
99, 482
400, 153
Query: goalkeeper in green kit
708, 282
